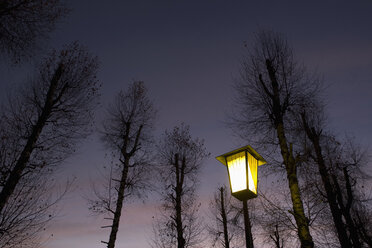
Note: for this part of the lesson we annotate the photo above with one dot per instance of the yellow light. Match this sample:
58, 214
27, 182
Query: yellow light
252, 173
237, 171
242, 165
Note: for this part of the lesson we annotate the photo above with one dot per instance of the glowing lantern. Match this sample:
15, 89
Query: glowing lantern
242, 167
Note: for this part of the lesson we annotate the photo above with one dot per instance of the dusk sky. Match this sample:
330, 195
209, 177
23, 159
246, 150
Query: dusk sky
188, 53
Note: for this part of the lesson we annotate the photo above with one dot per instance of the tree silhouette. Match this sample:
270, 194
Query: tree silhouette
279, 243
314, 135
24, 22
228, 227
335, 161
180, 160
126, 132
272, 86
43, 121
345, 164
29, 211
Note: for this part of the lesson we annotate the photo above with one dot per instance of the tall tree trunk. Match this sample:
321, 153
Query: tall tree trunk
119, 205
278, 111
224, 220
123, 181
349, 219
16, 173
179, 190
346, 208
247, 226
331, 196
298, 209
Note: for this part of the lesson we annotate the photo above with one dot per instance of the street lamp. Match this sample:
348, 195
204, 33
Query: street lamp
242, 165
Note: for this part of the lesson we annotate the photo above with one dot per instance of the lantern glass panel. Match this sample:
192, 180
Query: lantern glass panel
252, 173
236, 165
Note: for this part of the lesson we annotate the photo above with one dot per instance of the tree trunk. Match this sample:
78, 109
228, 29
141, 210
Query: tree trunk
345, 208
123, 181
298, 209
224, 220
288, 160
331, 196
179, 188
247, 226
349, 219
16, 173
119, 205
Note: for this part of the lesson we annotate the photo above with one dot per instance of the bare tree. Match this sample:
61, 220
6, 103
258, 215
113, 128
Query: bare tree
346, 169
43, 121
24, 22
180, 160
339, 166
276, 223
30, 210
127, 133
316, 206
227, 230
272, 86
312, 125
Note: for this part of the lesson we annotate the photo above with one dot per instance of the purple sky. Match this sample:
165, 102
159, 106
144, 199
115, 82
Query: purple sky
187, 53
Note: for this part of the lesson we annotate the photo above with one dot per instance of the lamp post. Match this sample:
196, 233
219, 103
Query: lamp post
242, 165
